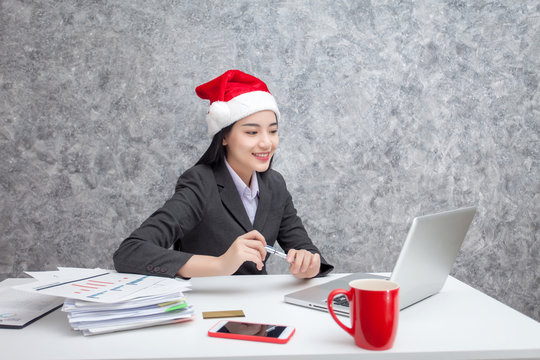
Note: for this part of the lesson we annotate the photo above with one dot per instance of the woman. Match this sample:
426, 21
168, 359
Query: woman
230, 205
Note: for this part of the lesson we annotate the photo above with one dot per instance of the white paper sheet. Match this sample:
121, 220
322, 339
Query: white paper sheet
18, 309
98, 285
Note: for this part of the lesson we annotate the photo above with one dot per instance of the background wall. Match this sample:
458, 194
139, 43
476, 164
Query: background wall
390, 110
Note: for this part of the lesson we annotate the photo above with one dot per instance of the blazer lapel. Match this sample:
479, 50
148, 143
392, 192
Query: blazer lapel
265, 199
230, 198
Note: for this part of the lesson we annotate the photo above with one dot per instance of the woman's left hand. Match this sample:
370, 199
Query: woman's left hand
304, 264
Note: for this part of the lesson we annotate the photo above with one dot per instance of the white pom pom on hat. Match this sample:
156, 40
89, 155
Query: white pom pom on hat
233, 96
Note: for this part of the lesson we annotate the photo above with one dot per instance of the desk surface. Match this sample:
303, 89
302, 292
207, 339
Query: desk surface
458, 323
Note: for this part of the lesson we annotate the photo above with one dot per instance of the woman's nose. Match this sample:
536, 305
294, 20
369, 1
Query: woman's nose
265, 141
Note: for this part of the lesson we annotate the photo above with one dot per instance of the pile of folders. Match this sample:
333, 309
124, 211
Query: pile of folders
94, 318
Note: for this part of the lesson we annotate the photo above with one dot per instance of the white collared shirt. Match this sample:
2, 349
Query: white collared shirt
248, 194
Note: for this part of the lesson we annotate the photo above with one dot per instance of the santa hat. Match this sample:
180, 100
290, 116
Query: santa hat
233, 96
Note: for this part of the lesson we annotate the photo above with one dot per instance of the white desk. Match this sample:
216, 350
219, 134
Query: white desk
458, 323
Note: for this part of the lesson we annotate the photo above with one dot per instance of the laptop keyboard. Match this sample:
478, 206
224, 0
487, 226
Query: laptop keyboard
341, 300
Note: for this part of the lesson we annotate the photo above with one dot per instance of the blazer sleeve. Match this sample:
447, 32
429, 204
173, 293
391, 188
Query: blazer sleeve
293, 235
146, 250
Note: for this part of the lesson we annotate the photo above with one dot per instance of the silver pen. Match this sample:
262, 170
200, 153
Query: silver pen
272, 250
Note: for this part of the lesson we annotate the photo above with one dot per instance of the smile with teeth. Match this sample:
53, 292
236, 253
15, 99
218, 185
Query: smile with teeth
262, 156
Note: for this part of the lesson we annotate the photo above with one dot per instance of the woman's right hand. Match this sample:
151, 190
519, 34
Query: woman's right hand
248, 247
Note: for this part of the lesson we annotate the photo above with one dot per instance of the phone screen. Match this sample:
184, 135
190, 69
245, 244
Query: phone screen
243, 328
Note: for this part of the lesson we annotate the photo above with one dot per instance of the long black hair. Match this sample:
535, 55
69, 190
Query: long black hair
216, 152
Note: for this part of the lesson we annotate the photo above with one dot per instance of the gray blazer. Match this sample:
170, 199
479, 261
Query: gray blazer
204, 216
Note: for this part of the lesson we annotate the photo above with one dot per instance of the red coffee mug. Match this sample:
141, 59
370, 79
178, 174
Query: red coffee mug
374, 312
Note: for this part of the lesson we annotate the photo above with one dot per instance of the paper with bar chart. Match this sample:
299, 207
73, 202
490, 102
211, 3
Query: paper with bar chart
103, 286
99, 301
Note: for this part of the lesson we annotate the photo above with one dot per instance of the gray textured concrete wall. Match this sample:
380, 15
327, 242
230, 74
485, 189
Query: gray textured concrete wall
390, 110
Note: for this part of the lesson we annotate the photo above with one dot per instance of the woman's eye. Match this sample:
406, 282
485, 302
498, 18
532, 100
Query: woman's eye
251, 132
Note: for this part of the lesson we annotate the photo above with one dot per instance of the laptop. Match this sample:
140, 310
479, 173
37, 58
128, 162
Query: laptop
423, 265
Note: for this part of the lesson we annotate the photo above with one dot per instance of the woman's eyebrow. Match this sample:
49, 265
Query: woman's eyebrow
258, 125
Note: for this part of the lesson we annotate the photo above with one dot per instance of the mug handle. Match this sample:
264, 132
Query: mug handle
330, 304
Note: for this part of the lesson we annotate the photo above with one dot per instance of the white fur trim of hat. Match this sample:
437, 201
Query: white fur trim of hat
222, 114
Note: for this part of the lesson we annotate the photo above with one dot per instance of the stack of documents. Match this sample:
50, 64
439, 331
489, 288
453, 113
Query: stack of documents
98, 318
100, 301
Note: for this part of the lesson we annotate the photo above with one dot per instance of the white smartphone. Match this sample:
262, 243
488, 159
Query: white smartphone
279, 334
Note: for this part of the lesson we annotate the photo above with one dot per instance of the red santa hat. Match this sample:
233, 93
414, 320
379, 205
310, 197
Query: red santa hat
233, 96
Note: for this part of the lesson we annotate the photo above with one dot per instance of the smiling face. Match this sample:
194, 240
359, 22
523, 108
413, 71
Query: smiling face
251, 143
